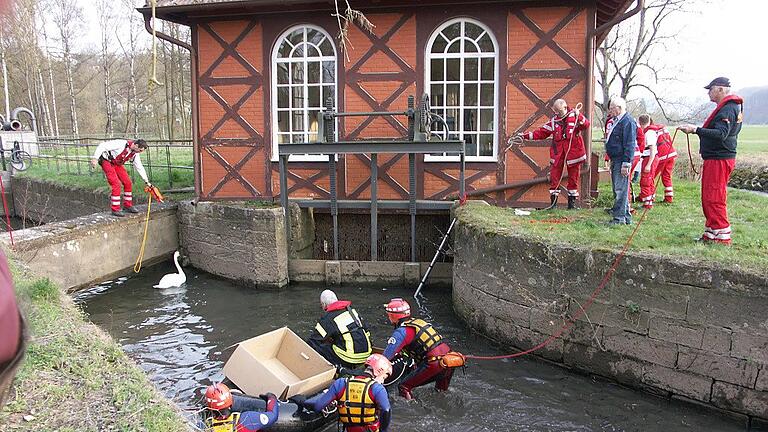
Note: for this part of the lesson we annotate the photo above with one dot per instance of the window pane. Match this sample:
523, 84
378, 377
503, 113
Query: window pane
439, 45
298, 51
470, 46
297, 73
282, 73
328, 92
329, 73
451, 117
455, 47
437, 72
437, 125
470, 69
285, 49
297, 121
488, 66
313, 72
282, 122
436, 96
452, 31
298, 138
313, 125
486, 95
312, 51
486, 44
284, 138
486, 144
470, 145
453, 69
314, 96
486, 119
297, 97
472, 31
314, 36
296, 37
283, 97
470, 120
326, 48
470, 94
452, 95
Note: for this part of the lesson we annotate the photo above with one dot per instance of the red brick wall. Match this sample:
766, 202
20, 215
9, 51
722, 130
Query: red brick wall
555, 70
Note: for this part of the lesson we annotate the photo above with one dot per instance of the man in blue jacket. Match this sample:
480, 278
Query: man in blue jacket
620, 147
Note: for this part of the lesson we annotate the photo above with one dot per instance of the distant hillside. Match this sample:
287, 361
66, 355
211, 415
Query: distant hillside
755, 104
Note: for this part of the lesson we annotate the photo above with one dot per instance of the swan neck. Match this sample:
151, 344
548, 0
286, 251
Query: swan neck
176, 261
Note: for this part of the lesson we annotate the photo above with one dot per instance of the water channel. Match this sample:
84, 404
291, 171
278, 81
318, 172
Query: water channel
180, 337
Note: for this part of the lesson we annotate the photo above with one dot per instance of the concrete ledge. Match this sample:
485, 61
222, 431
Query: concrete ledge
81, 251
367, 272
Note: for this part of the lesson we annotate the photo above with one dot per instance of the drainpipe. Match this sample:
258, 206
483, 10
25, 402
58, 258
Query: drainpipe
15, 118
193, 87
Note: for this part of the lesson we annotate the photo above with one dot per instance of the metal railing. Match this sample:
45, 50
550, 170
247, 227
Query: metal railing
162, 159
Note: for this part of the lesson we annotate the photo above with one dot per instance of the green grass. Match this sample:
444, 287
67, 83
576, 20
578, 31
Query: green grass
667, 230
75, 377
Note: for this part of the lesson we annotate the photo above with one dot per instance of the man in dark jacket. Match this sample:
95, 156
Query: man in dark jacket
340, 335
620, 146
717, 145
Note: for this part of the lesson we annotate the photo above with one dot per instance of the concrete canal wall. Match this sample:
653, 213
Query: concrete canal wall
685, 330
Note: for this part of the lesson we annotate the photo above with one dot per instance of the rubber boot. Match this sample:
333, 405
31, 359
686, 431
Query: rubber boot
117, 213
571, 202
130, 209
552, 200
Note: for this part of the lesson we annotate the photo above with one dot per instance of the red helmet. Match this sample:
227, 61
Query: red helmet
218, 397
397, 309
380, 366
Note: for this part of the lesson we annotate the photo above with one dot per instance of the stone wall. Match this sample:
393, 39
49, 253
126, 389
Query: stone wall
689, 331
238, 242
45, 202
85, 250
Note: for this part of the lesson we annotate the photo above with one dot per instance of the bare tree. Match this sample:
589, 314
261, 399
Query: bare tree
104, 10
67, 15
625, 62
55, 129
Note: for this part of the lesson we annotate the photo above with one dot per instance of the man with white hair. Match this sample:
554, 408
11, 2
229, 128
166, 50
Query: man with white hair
717, 145
340, 335
620, 144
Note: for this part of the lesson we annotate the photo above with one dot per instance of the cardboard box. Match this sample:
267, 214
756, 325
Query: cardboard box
279, 362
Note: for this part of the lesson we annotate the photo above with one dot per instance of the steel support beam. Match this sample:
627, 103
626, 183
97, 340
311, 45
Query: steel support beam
374, 207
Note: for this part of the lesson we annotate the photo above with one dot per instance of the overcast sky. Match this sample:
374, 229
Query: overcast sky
724, 38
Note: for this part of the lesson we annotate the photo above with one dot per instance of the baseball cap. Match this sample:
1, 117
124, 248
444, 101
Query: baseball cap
719, 81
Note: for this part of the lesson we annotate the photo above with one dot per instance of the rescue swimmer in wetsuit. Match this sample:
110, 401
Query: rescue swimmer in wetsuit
421, 341
362, 400
218, 400
340, 335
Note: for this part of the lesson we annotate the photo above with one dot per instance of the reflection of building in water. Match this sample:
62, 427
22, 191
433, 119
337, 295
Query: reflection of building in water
264, 70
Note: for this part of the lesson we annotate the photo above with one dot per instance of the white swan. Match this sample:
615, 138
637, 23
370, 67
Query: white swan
173, 280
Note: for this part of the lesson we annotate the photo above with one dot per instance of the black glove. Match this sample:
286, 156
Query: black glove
298, 399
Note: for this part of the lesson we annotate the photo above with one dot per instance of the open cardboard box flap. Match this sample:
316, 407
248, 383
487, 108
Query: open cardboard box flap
279, 362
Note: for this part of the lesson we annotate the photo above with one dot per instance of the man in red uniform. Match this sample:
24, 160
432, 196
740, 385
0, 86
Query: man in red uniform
567, 148
666, 155
650, 160
717, 145
112, 155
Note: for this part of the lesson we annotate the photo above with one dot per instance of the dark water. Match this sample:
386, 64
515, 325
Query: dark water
180, 338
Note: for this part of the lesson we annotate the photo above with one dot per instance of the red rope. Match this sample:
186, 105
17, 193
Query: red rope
7, 215
583, 309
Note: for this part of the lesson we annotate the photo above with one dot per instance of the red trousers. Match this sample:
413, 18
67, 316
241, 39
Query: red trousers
665, 169
427, 372
574, 172
647, 185
116, 175
714, 199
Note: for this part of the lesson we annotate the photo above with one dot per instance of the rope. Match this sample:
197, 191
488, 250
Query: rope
583, 308
690, 154
153, 79
7, 213
140, 258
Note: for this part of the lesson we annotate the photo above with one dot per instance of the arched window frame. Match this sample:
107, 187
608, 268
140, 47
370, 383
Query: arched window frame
428, 82
275, 86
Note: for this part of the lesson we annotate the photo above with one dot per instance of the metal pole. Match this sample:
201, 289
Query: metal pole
284, 199
412, 201
168, 159
461, 175
329, 137
374, 207
434, 258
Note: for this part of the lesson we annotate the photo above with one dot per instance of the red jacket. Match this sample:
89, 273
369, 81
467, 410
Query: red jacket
564, 132
665, 148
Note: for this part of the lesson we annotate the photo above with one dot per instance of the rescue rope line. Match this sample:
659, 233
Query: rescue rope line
7, 214
582, 308
690, 153
153, 79
140, 258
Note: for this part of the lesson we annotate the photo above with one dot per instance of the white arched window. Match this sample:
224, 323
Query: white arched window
462, 80
303, 77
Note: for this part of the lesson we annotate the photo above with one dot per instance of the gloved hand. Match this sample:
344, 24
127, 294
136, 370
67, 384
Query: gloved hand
298, 399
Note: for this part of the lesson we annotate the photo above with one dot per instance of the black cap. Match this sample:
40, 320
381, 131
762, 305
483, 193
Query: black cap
719, 81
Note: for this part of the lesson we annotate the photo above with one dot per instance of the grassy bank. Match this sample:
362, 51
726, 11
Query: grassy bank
75, 377
667, 230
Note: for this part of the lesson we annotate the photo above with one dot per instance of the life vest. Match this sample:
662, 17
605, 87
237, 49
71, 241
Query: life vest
356, 406
351, 341
227, 424
124, 156
426, 338
664, 147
